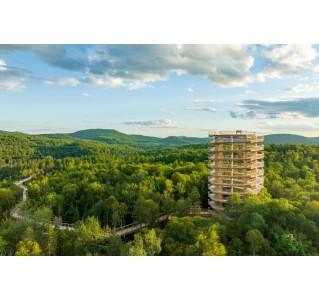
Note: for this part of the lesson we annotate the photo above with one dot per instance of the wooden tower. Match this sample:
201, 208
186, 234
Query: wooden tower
236, 165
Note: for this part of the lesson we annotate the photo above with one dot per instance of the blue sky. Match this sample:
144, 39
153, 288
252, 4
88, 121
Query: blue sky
160, 90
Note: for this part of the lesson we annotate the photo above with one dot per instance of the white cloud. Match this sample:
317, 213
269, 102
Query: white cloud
302, 88
199, 101
137, 84
190, 90
87, 95
12, 79
11, 84
62, 81
105, 81
2, 65
163, 123
207, 109
224, 65
288, 60
120, 65
298, 108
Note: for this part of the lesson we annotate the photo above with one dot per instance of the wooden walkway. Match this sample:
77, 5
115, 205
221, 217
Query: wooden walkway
121, 231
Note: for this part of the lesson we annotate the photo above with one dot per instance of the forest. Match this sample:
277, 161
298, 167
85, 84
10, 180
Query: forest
100, 187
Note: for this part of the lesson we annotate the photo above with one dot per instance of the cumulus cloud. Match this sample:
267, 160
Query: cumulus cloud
302, 88
136, 65
62, 81
190, 90
65, 57
287, 60
163, 123
207, 109
243, 115
12, 79
224, 65
271, 109
3, 65
105, 81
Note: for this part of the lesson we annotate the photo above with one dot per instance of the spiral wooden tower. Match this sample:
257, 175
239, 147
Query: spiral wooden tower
236, 165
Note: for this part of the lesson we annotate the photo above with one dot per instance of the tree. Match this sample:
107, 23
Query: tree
57, 202
180, 235
194, 197
88, 235
6, 201
146, 211
168, 205
3, 245
208, 244
145, 243
233, 204
288, 245
152, 243
256, 240
52, 241
182, 207
252, 220
44, 215
11, 232
70, 192
312, 210
137, 247
28, 247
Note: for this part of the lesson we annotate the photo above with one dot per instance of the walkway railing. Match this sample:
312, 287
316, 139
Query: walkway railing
120, 231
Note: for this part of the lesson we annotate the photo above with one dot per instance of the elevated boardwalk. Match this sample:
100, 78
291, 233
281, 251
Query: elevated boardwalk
17, 213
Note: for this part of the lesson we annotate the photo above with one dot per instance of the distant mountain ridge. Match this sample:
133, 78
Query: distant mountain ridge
115, 137
290, 138
111, 136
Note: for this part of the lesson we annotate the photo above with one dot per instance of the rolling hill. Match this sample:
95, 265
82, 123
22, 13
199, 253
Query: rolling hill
290, 138
111, 136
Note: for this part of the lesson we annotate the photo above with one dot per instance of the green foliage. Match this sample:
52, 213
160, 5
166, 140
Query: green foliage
252, 220
146, 243
137, 247
3, 245
28, 247
88, 235
192, 236
256, 240
7, 201
146, 211
208, 244
109, 182
111, 136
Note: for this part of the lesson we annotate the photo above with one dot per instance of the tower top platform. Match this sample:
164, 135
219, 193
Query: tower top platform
234, 134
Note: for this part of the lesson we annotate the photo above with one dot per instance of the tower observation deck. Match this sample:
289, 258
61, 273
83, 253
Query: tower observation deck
236, 165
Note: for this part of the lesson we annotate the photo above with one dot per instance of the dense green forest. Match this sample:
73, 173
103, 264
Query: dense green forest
99, 187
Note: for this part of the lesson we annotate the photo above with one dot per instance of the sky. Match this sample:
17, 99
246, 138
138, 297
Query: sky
160, 90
